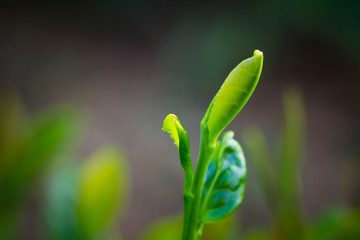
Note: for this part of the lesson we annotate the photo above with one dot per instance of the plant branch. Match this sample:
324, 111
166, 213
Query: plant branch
192, 222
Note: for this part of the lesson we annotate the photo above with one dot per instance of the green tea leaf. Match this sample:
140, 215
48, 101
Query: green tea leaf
233, 95
103, 188
225, 179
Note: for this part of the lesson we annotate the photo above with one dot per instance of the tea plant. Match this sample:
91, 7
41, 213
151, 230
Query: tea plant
217, 186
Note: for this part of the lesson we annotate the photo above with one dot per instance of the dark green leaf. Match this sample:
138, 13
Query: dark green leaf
225, 180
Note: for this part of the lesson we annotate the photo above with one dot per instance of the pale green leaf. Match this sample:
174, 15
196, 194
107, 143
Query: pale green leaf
170, 125
233, 94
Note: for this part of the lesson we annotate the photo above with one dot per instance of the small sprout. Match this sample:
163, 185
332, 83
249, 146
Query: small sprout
218, 185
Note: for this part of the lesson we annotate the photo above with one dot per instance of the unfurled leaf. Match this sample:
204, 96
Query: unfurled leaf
225, 179
233, 95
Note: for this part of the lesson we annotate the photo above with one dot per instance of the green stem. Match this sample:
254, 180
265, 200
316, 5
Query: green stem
192, 219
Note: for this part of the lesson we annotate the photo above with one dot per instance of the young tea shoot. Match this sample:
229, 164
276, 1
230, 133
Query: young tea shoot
217, 186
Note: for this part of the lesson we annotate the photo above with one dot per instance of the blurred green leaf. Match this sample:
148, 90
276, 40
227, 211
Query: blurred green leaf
292, 144
102, 192
164, 229
14, 131
263, 161
51, 132
9, 222
223, 229
349, 227
336, 223
225, 179
59, 209
170, 228
257, 234
281, 185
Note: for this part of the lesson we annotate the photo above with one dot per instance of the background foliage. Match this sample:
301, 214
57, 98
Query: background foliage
117, 69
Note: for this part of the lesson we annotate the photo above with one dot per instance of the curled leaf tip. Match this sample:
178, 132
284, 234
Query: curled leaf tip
258, 52
171, 125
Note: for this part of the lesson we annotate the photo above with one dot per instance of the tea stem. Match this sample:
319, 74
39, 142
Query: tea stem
192, 221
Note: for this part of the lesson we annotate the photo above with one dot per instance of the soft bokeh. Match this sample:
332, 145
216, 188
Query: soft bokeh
119, 67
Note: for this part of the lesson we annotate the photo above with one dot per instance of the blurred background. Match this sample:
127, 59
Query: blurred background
106, 73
